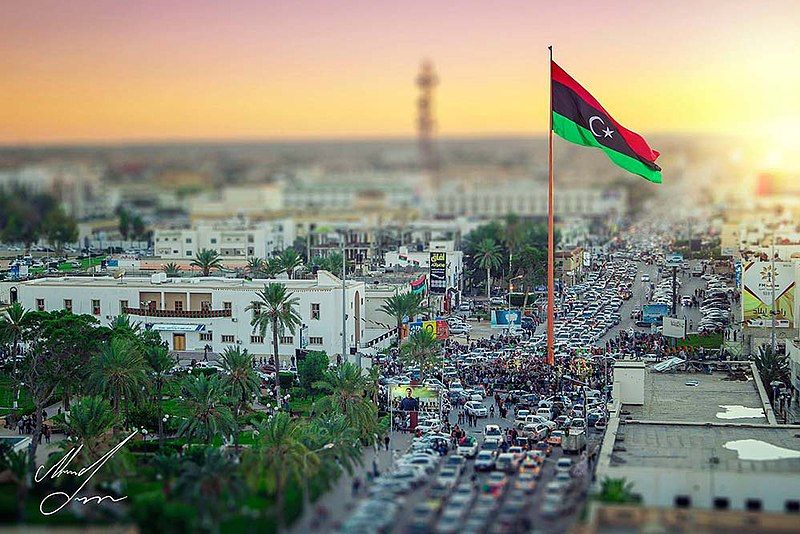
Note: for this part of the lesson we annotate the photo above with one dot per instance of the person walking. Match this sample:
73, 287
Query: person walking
356, 486
386, 440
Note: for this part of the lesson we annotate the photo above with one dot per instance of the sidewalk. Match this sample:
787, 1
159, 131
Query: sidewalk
339, 500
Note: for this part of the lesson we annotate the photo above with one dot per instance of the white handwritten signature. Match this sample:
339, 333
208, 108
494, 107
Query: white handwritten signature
60, 468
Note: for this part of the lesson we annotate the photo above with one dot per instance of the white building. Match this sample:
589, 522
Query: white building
235, 239
190, 313
405, 257
525, 198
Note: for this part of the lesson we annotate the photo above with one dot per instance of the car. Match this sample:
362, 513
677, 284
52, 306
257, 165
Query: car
564, 464
468, 448
448, 477
492, 430
476, 409
530, 465
464, 492
459, 329
564, 478
551, 506
485, 461
544, 447
507, 462
645, 277
455, 461
555, 438
496, 483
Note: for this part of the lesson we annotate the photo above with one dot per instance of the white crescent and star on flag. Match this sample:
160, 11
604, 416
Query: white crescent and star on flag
606, 132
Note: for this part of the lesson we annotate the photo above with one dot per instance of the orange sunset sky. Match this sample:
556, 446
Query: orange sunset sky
109, 71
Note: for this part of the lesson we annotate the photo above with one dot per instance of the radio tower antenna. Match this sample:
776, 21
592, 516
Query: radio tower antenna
426, 124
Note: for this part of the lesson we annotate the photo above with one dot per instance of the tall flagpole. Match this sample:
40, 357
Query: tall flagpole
550, 220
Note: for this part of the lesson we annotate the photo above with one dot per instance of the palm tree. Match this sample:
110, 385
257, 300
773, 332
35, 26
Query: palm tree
401, 306
275, 309
331, 263
617, 490
90, 422
338, 445
12, 326
255, 267
239, 378
347, 394
171, 269
273, 267
159, 365
280, 456
119, 372
207, 260
488, 257
212, 484
422, 350
289, 261
204, 409
772, 366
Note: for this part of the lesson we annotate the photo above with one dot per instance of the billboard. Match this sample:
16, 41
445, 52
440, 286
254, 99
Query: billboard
412, 398
418, 286
673, 260
674, 327
652, 313
438, 273
438, 328
760, 280
505, 318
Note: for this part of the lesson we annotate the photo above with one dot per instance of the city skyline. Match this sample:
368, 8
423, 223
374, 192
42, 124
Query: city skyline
162, 71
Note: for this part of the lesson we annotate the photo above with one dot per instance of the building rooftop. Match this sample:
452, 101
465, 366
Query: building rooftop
324, 280
711, 398
703, 447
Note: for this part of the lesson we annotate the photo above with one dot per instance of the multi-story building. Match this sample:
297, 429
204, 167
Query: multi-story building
234, 239
190, 313
405, 257
528, 198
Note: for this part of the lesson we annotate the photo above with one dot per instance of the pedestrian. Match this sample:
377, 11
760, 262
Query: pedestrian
47, 433
386, 440
356, 486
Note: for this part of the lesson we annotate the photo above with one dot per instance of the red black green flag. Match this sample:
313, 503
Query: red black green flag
580, 119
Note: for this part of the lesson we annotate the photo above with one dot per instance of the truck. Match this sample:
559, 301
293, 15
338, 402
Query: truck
574, 442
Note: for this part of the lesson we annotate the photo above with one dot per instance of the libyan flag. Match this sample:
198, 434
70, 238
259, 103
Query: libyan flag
580, 119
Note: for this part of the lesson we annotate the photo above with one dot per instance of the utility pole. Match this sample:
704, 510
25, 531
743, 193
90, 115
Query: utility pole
773, 279
674, 292
344, 301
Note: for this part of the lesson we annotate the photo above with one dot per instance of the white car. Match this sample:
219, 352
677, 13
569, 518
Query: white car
476, 408
469, 448
460, 329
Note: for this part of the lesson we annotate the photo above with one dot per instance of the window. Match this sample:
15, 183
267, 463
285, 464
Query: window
721, 503
287, 340
256, 308
314, 340
315, 310
226, 306
40, 304
683, 501
205, 305
256, 339
228, 338
95, 307
213, 240
206, 336
792, 507
68, 304
122, 305
189, 254
250, 238
188, 239
753, 505
178, 305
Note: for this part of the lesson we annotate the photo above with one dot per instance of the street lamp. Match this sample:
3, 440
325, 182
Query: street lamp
306, 490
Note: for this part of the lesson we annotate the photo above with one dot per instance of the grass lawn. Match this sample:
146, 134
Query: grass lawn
712, 341
7, 397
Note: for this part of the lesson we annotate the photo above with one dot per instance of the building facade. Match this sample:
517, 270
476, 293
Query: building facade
230, 240
190, 313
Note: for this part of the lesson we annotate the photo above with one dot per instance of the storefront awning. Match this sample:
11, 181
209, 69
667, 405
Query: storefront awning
163, 327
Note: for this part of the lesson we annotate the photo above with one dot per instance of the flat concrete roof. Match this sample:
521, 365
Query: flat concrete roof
667, 397
684, 446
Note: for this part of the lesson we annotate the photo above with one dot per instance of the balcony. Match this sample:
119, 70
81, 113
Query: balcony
186, 314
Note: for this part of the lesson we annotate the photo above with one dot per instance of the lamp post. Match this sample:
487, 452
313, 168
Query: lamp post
306, 490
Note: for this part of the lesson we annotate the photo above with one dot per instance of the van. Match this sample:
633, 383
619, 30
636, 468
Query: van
547, 413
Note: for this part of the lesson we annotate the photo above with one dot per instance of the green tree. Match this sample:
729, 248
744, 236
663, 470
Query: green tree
204, 409
422, 350
531, 264
124, 224
275, 309
206, 260
159, 364
90, 422
772, 366
13, 322
401, 306
171, 269
59, 228
290, 261
239, 377
278, 457
212, 484
312, 369
14, 470
119, 373
138, 228
331, 263
617, 490
489, 256
347, 394
256, 267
